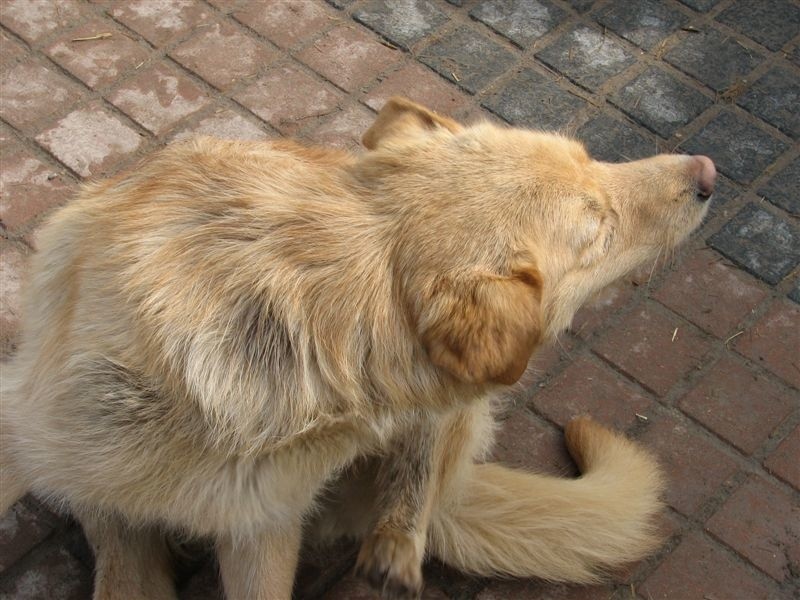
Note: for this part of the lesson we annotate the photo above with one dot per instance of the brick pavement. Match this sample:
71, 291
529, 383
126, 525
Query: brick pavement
698, 361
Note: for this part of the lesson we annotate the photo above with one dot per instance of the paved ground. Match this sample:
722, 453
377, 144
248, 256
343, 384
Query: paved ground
698, 361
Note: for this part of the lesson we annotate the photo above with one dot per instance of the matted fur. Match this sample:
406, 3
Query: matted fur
239, 336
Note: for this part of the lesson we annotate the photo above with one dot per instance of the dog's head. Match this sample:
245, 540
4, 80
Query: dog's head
501, 234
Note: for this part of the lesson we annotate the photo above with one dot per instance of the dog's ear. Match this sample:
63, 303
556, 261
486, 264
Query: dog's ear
596, 239
482, 328
400, 117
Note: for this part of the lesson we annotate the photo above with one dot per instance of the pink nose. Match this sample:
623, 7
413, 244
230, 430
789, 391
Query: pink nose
705, 174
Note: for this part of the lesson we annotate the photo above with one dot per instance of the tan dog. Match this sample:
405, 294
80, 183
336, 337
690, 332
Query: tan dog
239, 336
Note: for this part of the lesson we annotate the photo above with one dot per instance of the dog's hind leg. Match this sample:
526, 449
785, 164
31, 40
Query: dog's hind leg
131, 563
260, 567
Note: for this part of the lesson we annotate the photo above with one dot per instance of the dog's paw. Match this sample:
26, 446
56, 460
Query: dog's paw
392, 563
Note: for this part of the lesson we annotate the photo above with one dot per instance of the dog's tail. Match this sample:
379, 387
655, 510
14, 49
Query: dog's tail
511, 522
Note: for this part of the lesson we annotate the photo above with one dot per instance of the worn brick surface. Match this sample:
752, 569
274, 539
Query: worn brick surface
522, 21
587, 387
97, 62
773, 341
699, 568
402, 22
158, 97
30, 91
764, 244
468, 58
587, 56
90, 140
721, 400
740, 149
643, 22
348, 57
695, 467
286, 97
28, 187
770, 23
530, 99
782, 188
223, 55
761, 522
783, 460
646, 346
711, 293
714, 58
738, 404
774, 98
660, 102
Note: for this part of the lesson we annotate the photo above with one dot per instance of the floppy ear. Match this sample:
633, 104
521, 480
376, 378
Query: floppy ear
400, 117
482, 328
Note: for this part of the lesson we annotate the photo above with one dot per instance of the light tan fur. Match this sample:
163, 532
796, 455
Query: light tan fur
242, 340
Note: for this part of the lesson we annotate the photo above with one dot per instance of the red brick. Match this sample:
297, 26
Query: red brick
12, 267
53, 573
32, 20
783, 462
159, 97
28, 188
226, 124
21, 529
286, 22
738, 404
421, 85
596, 312
30, 92
223, 55
762, 523
695, 467
90, 140
710, 293
525, 589
349, 57
161, 21
97, 63
645, 345
774, 341
343, 129
10, 50
700, 569
588, 388
523, 441
287, 98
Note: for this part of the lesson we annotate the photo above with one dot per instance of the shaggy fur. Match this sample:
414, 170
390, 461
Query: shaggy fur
242, 340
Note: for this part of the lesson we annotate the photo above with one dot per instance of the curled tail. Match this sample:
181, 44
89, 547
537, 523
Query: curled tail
510, 522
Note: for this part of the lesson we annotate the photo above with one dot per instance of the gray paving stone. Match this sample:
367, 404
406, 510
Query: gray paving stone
21, 528
713, 58
775, 98
794, 55
660, 102
581, 5
794, 294
761, 243
52, 573
769, 22
521, 21
467, 58
724, 192
612, 140
403, 22
643, 22
586, 56
783, 189
739, 149
700, 5
533, 100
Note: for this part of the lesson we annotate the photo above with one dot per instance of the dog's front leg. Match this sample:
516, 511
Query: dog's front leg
391, 554
260, 567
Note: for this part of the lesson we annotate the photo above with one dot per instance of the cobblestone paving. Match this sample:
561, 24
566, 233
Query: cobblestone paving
699, 361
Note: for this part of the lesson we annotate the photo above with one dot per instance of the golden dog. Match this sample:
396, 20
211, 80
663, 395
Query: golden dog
247, 341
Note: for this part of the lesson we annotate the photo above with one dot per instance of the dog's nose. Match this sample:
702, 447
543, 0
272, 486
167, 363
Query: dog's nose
705, 173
